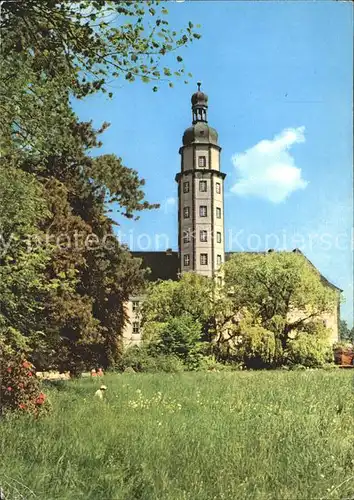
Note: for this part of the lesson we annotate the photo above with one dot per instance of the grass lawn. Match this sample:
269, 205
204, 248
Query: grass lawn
198, 436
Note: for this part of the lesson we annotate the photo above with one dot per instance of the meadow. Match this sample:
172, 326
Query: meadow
198, 436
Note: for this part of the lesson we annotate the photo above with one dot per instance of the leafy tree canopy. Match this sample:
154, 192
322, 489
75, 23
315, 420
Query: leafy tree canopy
267, 303
280, 289
51, 52
22, 283
345, 333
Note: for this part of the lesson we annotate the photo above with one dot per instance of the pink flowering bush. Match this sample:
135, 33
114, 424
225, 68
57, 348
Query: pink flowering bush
19, 387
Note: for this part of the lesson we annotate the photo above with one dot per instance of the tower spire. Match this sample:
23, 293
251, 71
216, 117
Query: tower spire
199, 105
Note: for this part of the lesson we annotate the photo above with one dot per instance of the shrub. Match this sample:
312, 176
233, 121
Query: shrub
19, 386
180, 337
308, 350
168, 363
259, 347
134, 357
206, 363
151, 331
144, 359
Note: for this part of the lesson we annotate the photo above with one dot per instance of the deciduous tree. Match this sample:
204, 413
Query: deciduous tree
281, 290
52, 52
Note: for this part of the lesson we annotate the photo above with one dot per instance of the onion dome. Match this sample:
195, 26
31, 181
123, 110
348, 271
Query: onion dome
200, 131
199, 98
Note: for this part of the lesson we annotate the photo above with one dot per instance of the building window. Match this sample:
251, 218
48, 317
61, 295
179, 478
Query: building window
203, 235
186, 212
186, 259
218, 260
204, 259
136, 306
218, 213
136, 327
203, 186
203, 212
186, 187
201, 161
186, 236
218, 187
218, 237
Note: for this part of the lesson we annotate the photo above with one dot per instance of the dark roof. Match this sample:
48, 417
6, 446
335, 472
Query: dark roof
324, 280
163, 265
200, 132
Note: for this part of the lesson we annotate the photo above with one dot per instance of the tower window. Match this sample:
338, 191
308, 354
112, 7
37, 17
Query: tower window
218, 237
186, 259
186, 236
218, 260
218, 187
218, 213
203, 186
136, 327
186, 212
186, 187
203, 236
203, 211
204, 259
201, 161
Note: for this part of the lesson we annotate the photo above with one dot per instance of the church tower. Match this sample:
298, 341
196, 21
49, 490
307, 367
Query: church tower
200, 195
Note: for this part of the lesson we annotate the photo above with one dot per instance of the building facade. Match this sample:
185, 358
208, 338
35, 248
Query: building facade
201, 238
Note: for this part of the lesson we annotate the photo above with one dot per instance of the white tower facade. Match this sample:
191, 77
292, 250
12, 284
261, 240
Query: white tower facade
200, 195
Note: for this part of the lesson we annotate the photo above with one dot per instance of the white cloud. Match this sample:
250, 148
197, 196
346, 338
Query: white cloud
268, 170
169, 204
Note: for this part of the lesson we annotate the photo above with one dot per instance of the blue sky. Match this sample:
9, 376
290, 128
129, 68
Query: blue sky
279, 80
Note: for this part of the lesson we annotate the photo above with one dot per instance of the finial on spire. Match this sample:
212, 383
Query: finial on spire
199, 85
